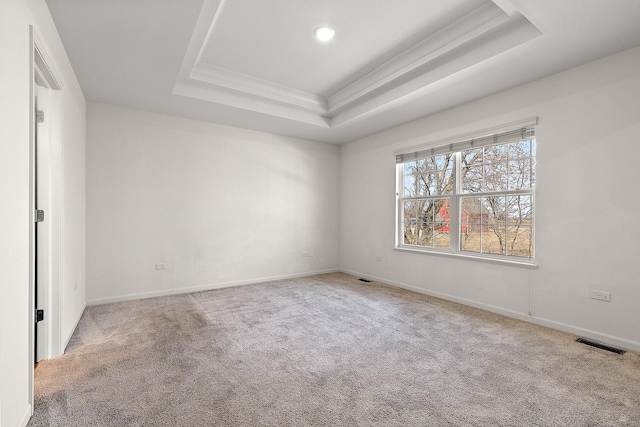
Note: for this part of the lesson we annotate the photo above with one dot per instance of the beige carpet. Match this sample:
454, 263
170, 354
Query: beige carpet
327, 350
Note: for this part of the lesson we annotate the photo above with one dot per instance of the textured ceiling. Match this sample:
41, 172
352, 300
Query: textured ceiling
256, 64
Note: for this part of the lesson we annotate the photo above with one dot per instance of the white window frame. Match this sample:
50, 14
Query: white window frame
456, 145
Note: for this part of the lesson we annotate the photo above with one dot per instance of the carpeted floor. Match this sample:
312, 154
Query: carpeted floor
327, 350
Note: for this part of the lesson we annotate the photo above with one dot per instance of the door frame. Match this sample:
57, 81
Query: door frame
49, 335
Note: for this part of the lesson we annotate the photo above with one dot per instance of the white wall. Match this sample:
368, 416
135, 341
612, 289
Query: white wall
219, 205
586, 204
14, 215
15, 318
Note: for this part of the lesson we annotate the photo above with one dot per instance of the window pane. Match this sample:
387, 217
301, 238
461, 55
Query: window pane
495, 176
471, 179
444, 161
471, 237
429, 164
519, 210
444, 182
410, 211
520, 176
472, 212
425, 210
411, 180
409, 237
425, 234
442, 210
493, 241
520, 241
473, 221
495, 209
521, 149
430, 183
437, 174
496, 153
441, 238
471, 157
433, 222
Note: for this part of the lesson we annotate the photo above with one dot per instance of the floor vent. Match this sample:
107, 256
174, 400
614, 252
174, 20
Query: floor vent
364, 280
601, 346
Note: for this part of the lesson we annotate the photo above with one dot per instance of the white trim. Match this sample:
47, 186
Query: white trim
465, 30
613, 340
26, 416
583, 332
235, 81
510, 262
208, 287
65, 343
202, 90
55, 207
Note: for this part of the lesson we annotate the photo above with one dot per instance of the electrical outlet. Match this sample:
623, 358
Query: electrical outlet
378, 257
307, 253
601, 295
161, 266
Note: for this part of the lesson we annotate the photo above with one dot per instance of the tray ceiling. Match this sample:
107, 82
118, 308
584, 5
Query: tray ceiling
256, 63
379, 55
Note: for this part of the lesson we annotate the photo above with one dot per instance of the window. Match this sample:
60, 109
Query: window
473, 197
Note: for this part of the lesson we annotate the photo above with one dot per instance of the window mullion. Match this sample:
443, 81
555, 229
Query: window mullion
454, 204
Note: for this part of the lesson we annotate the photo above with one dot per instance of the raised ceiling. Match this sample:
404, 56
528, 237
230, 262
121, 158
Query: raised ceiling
256, 64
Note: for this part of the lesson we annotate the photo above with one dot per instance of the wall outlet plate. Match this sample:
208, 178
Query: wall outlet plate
601, 295
161, 266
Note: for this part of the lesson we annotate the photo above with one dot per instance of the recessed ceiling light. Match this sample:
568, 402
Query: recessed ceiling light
324, 33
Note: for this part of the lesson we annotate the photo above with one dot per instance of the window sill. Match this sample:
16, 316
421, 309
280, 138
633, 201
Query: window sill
529, 264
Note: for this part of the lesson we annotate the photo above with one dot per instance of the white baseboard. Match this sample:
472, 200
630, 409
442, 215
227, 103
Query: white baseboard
26, 416
208, 287
65, 343
572, 329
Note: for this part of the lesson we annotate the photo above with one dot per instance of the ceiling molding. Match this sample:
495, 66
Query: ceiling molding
469, 39
247, 101
439, 71
466, 28
228, 79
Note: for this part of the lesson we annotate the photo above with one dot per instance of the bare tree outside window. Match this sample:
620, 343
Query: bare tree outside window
500, 224
427, 180
492, 189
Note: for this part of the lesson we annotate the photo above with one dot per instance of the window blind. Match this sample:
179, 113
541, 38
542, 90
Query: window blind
523, 132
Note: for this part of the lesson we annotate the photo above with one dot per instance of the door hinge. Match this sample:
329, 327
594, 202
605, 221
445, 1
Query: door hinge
39, 215
39, 116
39, 315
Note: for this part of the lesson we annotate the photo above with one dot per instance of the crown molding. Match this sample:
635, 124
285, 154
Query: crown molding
228, 79
472, 38
247, 101
468, 27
